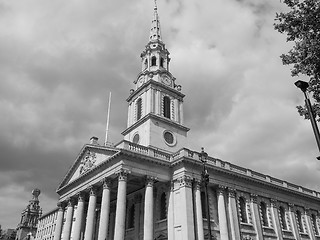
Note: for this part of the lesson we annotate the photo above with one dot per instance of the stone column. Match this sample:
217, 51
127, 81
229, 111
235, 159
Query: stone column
256, 216
223, 223
137, 202
198, 210
275, 214
91, 215
105, 210
309, 224
148, 210
79, 217
58, 230
185, 205
233, 215
69, 218
294, 222
119, 231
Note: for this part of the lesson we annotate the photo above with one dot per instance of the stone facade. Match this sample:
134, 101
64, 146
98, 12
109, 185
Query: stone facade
47, 225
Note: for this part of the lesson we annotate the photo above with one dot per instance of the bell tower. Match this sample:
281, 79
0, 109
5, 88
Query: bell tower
155, 105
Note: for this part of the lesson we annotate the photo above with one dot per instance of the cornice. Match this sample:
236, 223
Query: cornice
153, 83
155, 117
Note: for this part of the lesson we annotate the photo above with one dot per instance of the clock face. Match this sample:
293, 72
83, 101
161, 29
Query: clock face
166, 80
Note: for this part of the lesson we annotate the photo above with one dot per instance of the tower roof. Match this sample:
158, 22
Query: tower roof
155, 32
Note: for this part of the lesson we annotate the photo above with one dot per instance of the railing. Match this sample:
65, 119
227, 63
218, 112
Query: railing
186, 153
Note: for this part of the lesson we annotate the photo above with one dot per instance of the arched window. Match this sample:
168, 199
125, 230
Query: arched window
264, 214
131, 217
299, 221
283, 218
153, 61
203, 205
243, 210
163, 206
161, 62
314, 223
146, 63
139, 108
166, 107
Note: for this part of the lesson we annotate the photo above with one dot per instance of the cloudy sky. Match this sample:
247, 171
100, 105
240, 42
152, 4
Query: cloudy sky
60, 59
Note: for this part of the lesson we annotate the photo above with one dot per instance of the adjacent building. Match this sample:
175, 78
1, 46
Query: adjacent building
149, 186
27, 227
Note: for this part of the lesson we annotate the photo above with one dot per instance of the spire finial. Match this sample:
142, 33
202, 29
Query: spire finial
155, 33
155, 5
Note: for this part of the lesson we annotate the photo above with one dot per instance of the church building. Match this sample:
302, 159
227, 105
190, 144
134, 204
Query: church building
150, 186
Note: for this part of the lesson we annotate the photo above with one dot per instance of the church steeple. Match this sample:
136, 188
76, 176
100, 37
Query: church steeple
155, 31
155, 112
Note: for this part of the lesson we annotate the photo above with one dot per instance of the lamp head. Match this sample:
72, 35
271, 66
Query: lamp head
302, 85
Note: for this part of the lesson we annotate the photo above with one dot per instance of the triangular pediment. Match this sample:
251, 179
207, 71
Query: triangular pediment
89, 158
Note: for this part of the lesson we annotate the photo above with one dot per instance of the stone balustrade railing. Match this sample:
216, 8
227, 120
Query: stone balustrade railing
192, 155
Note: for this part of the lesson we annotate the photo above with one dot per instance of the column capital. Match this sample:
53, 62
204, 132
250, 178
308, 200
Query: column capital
70, 202
273, 202
92, 190
81, 196
307, 211
254, 198
197, 184
232, 192
122, 175
61, 205
106, 183
221, 189
150, 180
185, 181
291, 206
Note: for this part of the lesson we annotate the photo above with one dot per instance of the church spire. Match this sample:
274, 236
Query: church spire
155, 32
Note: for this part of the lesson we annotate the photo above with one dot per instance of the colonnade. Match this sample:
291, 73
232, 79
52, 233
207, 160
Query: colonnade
63, 231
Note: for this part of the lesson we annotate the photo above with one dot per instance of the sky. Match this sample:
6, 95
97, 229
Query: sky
60, 59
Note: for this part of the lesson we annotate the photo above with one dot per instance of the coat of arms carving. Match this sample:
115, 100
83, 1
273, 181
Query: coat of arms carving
87, 162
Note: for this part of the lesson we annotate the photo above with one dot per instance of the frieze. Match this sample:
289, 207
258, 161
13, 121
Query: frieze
88, 162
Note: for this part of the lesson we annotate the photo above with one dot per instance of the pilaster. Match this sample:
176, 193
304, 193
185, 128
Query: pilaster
233, 215
256, 216
198, 210
293, 221
309, 224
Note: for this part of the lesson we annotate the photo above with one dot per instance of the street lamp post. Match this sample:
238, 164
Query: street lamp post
303, 86
205, 179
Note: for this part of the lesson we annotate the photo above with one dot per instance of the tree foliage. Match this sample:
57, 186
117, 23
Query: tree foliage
301, 24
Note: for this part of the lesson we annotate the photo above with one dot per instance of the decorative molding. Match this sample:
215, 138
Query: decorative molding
273, 203
150, 180
88, 161
221, 189
106, 183
81, 197
93, 190
232, 193
122, 175
253, 198
185, 181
